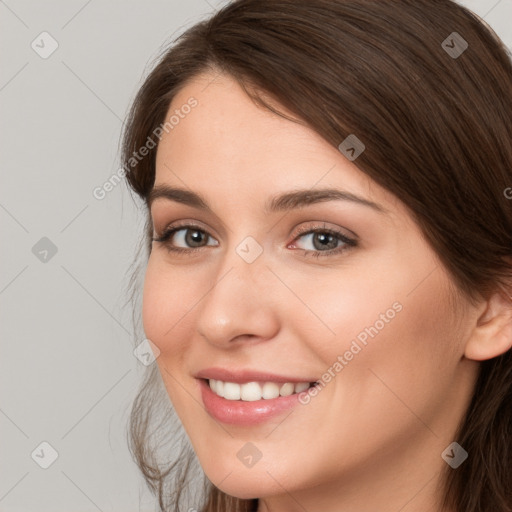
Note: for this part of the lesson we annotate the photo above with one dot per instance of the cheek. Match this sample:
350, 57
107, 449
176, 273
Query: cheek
397, 359
168, 298
344, 309
167, 313
383, 332
408, 361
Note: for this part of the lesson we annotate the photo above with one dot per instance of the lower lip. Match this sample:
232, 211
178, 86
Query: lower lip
239, 412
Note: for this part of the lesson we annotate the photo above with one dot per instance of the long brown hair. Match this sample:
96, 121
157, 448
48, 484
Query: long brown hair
428, 88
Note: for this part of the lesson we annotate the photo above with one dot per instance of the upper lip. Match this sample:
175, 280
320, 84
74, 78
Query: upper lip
244, 376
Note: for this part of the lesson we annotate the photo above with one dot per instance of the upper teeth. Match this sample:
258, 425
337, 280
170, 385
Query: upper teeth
253, 391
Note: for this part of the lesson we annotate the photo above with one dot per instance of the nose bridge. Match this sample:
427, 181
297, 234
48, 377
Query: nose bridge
239, 302
243, 268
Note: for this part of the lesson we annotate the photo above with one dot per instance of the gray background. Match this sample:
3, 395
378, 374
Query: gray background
67, 369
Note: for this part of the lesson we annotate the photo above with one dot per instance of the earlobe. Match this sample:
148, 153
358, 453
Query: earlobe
492, 334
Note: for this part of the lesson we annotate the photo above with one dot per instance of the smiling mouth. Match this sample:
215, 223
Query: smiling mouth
253, 391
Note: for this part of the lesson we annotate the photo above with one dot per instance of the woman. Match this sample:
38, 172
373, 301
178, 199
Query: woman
329, 276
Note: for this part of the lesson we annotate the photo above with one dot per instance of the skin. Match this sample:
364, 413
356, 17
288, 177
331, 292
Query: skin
372, 438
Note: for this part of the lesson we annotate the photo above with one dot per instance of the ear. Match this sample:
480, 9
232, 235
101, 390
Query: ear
492, 334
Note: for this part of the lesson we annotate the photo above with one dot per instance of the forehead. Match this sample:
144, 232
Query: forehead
228, 124
227, 142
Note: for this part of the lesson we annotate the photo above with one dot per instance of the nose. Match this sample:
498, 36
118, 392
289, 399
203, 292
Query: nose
240, 305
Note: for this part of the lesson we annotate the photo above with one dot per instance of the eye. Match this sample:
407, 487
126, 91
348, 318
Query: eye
190, 237
324, 241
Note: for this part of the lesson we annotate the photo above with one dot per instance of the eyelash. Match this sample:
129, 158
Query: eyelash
349, 242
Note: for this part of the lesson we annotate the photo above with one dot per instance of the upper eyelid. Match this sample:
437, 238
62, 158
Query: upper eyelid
194, 224
337, 230
177, 227
172, 229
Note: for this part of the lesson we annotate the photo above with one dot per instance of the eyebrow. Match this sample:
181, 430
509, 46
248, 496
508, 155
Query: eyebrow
283, 202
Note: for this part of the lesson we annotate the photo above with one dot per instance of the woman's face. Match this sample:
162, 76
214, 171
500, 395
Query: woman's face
285, 284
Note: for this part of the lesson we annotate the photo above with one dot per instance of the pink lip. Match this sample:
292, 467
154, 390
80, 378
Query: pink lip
244, 376
238, 412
